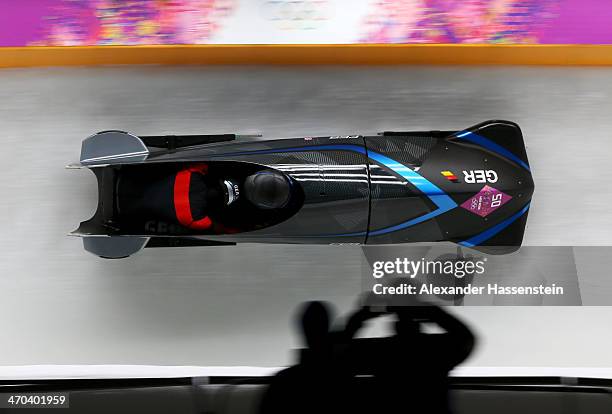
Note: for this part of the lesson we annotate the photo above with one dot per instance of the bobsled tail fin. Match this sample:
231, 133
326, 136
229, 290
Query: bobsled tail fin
112, 147
504, 138
114, 247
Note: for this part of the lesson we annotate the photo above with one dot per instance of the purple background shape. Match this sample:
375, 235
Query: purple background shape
484, 198
580, 22
24, 22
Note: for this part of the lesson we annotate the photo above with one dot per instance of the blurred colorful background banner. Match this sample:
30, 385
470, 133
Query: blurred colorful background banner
150, 22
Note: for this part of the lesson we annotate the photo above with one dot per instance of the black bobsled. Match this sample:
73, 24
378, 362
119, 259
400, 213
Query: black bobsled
472, 187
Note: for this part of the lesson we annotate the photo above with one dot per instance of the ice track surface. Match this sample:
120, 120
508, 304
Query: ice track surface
233, 305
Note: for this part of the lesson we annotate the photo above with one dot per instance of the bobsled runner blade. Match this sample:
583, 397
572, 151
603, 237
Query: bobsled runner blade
120, 247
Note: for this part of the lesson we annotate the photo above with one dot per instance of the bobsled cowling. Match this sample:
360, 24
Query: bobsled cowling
471, 187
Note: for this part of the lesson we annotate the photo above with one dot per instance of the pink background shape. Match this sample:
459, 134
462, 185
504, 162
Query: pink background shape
481, 202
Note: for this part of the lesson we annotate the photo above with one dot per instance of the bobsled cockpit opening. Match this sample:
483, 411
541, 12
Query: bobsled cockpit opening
209, 198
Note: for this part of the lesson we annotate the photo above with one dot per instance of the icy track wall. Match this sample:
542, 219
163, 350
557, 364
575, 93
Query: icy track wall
149, 22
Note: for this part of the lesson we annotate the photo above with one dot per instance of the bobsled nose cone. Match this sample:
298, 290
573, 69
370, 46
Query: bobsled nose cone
524, 186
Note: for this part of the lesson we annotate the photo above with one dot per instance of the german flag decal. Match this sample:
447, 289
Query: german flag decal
450, 176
